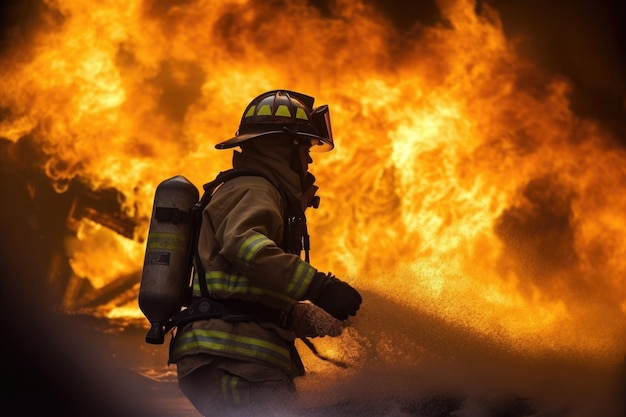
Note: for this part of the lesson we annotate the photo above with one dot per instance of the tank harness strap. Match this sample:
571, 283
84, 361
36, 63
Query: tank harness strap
172, 215
197, 221
197, 210
228, 310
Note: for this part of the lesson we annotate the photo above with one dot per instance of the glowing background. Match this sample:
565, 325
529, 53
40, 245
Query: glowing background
462, 187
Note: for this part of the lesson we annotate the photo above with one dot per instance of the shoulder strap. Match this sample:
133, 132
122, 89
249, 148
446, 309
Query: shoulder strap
198, 208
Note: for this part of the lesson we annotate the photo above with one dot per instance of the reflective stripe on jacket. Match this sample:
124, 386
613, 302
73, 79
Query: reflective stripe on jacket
244, 340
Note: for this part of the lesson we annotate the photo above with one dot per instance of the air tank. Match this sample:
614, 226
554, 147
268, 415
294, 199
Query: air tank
166, 272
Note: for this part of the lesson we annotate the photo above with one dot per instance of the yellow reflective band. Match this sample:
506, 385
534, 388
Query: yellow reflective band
301, 280
265, 110
301, 114
219, 281
283, 111
250, 111
196, 284
228, 343
229, 389
251, 246
167, 241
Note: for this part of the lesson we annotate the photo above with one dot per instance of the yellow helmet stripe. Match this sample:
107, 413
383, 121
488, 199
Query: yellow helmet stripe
250, 111
301, 114
264, 110
283, 111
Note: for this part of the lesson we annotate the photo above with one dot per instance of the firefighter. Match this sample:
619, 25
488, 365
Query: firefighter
249, 261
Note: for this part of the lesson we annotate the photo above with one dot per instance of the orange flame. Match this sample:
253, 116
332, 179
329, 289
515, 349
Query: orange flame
462, 183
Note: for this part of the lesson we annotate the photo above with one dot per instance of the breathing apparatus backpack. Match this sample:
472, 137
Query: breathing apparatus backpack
171, 247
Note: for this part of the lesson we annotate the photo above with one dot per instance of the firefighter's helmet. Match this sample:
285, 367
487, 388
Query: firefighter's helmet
281, 111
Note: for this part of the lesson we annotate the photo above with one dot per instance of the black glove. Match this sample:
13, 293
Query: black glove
338, 298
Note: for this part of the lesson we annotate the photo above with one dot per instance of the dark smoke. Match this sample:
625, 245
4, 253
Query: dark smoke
580, 40
21, 19
539, 236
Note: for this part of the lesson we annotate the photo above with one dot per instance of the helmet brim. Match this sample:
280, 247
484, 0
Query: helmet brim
318, 143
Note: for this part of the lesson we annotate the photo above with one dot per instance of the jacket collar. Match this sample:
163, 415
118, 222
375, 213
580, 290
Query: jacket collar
275, 170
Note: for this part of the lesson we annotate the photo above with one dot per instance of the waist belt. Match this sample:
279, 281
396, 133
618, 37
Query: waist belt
228, 310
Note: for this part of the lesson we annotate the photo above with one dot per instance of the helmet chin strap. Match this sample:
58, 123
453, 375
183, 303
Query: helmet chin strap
300, 159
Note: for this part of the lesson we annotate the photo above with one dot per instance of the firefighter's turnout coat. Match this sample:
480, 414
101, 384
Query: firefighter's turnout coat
240, 250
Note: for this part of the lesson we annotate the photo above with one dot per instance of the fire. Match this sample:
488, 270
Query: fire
462, 183
92, 252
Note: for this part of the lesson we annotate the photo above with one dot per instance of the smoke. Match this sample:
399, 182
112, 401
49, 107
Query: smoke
579, 40
582, 41
539, 238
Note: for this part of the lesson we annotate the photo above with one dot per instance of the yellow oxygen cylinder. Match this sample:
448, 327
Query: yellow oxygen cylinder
166, 273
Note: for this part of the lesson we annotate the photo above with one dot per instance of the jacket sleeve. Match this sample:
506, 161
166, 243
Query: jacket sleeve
247, 218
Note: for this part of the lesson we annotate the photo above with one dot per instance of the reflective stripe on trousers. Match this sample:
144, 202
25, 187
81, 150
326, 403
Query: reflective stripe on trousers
231, 392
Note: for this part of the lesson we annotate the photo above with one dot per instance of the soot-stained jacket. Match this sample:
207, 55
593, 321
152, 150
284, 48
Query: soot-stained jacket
239, 247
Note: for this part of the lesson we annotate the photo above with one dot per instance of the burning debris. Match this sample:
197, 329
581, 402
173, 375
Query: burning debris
57, 217
103, 207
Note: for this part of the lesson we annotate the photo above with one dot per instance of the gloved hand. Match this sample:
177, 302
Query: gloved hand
338, 298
